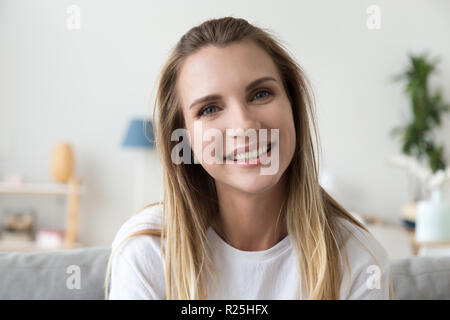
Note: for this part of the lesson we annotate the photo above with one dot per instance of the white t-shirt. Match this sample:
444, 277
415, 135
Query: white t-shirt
137, 271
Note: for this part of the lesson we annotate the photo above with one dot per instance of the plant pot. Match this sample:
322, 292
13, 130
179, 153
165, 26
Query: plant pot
433, 219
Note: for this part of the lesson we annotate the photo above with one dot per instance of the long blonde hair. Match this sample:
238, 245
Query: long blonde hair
190, 202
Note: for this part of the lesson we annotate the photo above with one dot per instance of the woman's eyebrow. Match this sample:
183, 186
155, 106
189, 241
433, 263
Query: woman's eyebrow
250, 86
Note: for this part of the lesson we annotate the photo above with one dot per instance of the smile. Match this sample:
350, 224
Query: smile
251, 155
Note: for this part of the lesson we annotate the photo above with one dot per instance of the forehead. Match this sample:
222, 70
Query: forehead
219, 69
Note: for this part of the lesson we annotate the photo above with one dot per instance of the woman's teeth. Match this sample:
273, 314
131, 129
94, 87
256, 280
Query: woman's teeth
245, 156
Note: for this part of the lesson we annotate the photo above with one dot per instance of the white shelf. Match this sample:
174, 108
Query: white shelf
72, 190
39, 189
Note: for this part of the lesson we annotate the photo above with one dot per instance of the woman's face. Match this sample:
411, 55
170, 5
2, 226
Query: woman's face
226, 73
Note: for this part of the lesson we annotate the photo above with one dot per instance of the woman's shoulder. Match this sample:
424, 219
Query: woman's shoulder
140, 229
366, 265
137, 265
360, 241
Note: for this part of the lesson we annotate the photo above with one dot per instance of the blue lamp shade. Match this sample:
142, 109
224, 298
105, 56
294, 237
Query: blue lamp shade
140, 135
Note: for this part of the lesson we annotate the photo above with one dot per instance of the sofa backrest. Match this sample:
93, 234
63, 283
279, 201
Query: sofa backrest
65, 275
421, 278
80, 274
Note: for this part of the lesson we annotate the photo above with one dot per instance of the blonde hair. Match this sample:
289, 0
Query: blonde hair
190, 202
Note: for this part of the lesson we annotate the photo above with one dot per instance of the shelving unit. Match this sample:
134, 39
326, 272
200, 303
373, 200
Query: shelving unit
72, 191
432, 246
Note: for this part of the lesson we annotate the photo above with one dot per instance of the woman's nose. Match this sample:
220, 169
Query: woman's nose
242, 123
241, 117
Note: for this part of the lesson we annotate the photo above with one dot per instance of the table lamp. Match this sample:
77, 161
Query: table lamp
139, 134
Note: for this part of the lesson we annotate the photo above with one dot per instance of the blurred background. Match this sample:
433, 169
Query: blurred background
78, 78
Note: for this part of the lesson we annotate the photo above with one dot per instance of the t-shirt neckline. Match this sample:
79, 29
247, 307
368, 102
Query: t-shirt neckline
272, 252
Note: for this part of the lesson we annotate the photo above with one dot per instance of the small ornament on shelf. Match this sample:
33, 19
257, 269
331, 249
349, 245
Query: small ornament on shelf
18, 225
50, 238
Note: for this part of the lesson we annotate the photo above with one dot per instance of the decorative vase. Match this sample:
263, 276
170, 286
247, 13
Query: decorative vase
62, 162
433, 218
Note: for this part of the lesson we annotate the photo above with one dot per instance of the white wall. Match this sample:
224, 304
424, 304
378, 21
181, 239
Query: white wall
84, 86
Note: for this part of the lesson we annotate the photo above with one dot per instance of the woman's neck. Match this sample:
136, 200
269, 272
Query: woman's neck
251, 222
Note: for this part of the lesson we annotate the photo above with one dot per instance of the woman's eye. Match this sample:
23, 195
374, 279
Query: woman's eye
209, 110
203, 111
268, 93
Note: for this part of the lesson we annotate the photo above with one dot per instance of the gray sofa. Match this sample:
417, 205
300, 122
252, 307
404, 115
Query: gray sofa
80, 274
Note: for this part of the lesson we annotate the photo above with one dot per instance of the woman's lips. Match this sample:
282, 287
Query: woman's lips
250, 162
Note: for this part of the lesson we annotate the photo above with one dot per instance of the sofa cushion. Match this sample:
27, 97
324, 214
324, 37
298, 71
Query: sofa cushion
72, 274
50, 275
421, 278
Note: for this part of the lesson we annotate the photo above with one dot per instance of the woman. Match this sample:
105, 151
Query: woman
224, 229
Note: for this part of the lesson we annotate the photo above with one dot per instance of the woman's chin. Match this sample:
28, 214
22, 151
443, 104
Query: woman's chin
253, 184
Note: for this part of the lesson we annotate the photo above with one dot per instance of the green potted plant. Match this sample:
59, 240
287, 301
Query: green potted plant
421, 154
